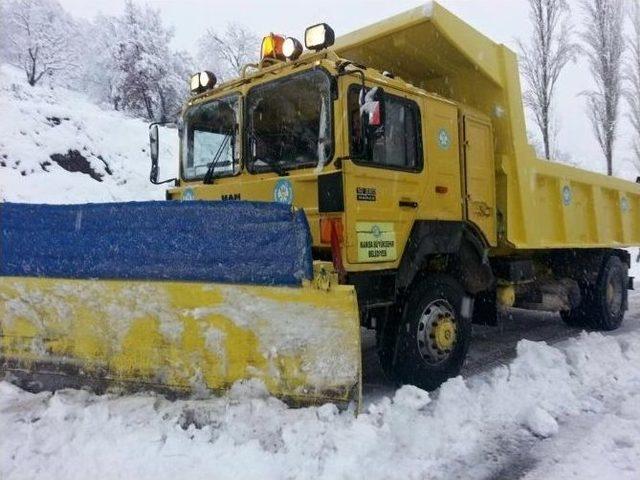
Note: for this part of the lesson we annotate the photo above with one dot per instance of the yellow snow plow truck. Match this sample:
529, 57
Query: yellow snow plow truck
381, 180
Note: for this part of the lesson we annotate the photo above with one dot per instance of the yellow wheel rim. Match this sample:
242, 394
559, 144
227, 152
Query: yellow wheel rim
436, 334
445, 333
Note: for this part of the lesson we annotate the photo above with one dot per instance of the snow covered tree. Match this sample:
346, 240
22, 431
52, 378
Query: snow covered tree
226, 54
632, 74
604, 46
142, 51
133, 66
101, 74
4, 33
542, 60
172, 89
39, 38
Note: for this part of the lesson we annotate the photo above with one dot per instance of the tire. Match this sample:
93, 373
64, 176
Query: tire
485, 309
434, 336
574, 318
386, 339
604, 303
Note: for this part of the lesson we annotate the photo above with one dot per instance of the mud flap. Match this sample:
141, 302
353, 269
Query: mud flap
187, 338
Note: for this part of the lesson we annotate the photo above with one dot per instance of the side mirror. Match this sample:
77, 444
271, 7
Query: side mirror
372, 118
154, 151
375, 114
372, 107
154, 146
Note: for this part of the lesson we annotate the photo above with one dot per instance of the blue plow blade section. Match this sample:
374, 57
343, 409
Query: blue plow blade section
227, 242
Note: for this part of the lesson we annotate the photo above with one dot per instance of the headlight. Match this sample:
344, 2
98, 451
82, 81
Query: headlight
291, 48
319, 36
202, 81
195, 83
204, 78
207, 80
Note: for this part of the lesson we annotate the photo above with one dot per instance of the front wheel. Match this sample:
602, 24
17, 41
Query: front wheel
434, 334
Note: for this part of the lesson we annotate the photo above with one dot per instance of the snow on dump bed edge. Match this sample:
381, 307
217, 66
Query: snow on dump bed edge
458, 432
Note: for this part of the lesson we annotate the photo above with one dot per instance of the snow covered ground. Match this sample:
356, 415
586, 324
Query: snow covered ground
569, 410
38, 122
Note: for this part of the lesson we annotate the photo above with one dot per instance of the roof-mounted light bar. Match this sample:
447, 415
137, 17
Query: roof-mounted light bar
277, 47
202, 81
291, 48
318, 37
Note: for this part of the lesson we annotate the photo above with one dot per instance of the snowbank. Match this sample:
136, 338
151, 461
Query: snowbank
459, 432
111, 148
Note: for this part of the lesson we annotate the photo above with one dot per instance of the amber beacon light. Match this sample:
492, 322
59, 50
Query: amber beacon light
272, 47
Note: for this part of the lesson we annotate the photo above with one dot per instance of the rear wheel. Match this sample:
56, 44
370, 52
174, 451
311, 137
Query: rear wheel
603, 303
434, 333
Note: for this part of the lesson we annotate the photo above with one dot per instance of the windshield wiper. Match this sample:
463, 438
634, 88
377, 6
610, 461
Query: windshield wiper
208, 177
276, 166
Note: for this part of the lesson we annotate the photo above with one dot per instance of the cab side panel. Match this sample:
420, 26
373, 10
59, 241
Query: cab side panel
442, 196
479, 179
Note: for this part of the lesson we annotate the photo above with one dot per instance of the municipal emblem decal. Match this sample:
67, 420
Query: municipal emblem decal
624, 204
375, 231
283, 192
566, 195
444, 140
188, 194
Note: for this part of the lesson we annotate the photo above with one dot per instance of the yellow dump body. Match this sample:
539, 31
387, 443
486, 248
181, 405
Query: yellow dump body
540, 204
184, 337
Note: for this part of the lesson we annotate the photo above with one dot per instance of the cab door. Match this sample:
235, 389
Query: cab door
383, 189
480, 180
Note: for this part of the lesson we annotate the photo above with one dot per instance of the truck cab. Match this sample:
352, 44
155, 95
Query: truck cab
414, 172
300, 133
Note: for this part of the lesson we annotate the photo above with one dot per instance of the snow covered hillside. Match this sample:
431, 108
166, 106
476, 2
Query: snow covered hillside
59, 147
555, 412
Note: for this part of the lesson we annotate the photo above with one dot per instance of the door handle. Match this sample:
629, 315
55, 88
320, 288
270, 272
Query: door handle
408, 203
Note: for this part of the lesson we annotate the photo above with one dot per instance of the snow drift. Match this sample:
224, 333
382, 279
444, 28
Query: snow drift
460, 431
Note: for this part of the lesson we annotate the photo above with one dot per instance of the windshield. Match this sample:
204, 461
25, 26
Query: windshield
289, 122
210, 137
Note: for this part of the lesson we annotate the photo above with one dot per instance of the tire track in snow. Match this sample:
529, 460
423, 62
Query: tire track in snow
513, 457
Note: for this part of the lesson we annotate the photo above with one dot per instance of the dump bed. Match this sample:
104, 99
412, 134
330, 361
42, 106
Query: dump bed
541, 204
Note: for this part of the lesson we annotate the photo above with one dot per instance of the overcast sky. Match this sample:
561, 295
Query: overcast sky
502, 20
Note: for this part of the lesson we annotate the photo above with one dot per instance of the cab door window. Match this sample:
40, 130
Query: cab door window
395, 144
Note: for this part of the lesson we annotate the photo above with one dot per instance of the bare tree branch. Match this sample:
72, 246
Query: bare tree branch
40, 34
604, 41
632, 76
543, 59
228, 53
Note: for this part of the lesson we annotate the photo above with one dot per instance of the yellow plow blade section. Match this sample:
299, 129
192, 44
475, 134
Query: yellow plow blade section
184, 337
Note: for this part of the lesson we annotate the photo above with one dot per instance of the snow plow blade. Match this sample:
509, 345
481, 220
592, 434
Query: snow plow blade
192, 313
